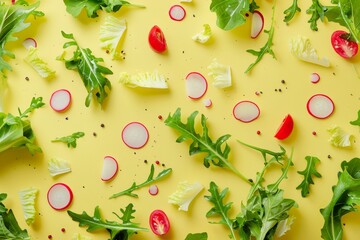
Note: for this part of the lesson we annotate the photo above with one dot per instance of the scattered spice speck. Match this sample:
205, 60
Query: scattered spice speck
27, 78
160, 117
63, 230
258, 132
157, 162
329, 156
94, 134
49, 237
102, 125
145, 161
314, 133
283, 81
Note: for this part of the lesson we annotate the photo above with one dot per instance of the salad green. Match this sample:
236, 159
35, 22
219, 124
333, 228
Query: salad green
291, 11
185, 194
340, 138
38, 64
27, 198
144, 79
70, 140
308, 174
57, 166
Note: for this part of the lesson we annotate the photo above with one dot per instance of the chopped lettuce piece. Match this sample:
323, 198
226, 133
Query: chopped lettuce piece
301, 48
57, 166
38, 64
3, 90
284, 226
144, 79
184, 194
111, 33
204, 35
78, 236
27, 199
220, 73
339, 138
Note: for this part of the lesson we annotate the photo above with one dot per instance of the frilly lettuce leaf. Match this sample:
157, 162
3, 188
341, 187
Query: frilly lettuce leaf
144, 80
301, 48
339, 138
57, 166
27, 199
111, 33
39, 65
284, 226
184, 194
220, 73
204, 35
78, 236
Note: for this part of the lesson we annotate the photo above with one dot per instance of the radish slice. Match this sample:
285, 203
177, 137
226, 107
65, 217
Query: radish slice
207, 103
320, 106
29, 42
196, 85
110, 168
177, 13
135, 135
153, 190
59, 196
12, 2
257, 24
60, 100
246, 111
314, 78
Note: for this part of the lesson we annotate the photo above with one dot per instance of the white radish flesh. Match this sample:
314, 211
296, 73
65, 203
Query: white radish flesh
320, 106
59, 196
257, 24
29, 42
246, 111
314, 78
207, 103
110, 168
153, 190
60, 100
135, 135
177, 13
196, 85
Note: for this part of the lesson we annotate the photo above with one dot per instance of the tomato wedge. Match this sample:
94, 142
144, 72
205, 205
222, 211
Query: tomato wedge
159, 222
285, 128
157, 39
343, 45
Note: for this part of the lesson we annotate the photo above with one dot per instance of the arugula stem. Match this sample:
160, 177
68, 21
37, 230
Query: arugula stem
347, 22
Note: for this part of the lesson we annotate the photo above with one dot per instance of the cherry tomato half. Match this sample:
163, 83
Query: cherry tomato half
157, 39
285, 128
159, 222
342, 45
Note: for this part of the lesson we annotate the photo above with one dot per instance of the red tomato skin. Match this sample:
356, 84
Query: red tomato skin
345, 48
285, 128
157, 39
159, 217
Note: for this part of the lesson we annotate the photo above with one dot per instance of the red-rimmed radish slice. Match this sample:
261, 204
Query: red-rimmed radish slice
110, 168
314, 78
135, 135
12, 2
285, 128
59, 196
153, 190
177, 13
29, 42
320, 106
60, 100
257, 24
246, 111
196, 85
207, 103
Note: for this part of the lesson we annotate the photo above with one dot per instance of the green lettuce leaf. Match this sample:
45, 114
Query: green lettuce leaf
204, 35
339, 138
38, 64
197, 236
27, 199
144, 80
184, 194
230, 13
220, 73
111, 33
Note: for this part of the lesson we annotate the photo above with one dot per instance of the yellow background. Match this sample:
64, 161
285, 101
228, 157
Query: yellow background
20, 170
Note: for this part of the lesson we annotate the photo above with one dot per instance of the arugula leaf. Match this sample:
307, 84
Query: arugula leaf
253, 6
9, 227
91, 73
317, 11
147, 182
230, 13
70, 140
197, 236
116, 230
308, 173
16, 132
357, 121
291, 11
12, 19
202, 143
346, 196
220, 208
266, 48
74, 7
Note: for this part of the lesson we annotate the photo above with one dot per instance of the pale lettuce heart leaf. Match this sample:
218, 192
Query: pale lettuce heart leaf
57, 166
339, 138
38, 64
204, 35
27, 200
284, 226
144, 80
185, 194
111, 33
78, 236
220, 73
301, 48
